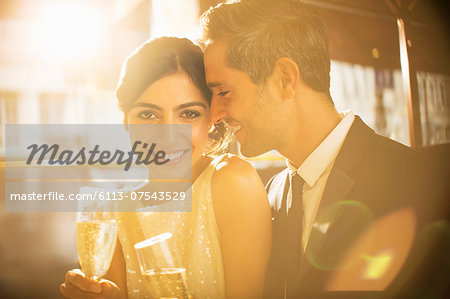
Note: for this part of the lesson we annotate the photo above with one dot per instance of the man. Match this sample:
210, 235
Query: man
345, 209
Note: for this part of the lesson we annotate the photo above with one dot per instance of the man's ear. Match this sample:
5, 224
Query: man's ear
289, 76
125, 122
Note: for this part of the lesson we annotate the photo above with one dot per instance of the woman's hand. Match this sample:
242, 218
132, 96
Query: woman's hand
76, 285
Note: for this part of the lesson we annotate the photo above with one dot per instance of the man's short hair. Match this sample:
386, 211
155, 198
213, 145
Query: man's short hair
258, 32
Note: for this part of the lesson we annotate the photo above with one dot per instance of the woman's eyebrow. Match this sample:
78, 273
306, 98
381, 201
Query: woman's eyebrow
191, 104
147, 105
179, 107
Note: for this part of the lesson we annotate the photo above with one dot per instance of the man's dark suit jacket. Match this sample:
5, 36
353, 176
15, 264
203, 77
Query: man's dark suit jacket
372, 177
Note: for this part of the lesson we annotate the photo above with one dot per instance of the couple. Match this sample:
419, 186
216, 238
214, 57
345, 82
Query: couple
265, 72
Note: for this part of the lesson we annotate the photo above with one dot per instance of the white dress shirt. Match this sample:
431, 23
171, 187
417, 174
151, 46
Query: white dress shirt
315, 171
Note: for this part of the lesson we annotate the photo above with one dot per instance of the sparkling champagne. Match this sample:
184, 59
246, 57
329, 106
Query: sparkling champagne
95, 245
167, 283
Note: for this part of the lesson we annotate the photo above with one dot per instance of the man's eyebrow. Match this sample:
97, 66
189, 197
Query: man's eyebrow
191, 104
214, 84
147, 105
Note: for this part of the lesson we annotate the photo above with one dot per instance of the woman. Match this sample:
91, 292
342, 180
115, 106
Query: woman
225, 241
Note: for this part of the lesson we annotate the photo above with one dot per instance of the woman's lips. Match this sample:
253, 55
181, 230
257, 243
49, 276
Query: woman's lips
175, 156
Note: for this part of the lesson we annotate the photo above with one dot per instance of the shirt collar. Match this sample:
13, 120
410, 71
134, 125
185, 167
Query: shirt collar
318, 161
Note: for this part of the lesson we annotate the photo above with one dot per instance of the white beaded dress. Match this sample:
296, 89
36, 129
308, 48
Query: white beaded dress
195, 235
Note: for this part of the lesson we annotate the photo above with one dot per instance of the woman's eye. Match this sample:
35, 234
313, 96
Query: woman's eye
189, 114
146, 115
223, 93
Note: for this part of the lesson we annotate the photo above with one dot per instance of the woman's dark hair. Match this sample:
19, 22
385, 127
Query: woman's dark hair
155, 59
162, 57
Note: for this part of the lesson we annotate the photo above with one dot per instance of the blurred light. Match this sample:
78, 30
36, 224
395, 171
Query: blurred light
375, 53
330, 258
377, 265
178, 18
377, 256
322, 227
70, 31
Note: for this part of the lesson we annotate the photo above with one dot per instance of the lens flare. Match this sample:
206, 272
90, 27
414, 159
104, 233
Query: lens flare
324, 252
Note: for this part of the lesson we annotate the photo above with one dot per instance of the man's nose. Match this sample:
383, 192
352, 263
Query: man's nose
218, 111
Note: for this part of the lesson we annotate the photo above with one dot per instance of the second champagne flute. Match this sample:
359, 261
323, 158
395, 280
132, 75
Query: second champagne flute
164, 276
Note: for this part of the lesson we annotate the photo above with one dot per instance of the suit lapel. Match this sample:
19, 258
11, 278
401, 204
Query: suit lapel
340, 182
337, 188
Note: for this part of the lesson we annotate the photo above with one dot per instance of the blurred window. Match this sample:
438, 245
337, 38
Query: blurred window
8, 111
52, 107
434, 95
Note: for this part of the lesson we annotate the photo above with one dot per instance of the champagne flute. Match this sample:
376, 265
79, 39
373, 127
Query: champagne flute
159, 265
96, 240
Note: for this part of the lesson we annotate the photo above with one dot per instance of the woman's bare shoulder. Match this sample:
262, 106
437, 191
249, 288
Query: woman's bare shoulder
238, 193
230, 168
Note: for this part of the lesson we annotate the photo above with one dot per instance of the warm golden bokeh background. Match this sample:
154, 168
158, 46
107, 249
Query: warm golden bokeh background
60, 60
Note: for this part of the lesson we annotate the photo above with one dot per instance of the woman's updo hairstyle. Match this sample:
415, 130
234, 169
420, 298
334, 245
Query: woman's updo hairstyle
156, 59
